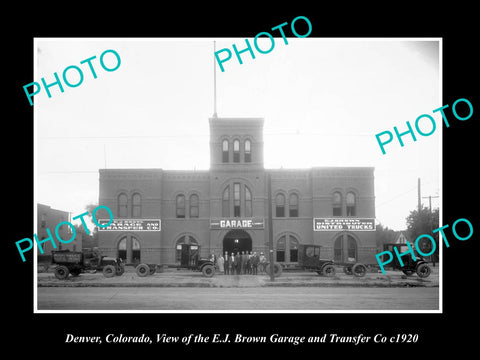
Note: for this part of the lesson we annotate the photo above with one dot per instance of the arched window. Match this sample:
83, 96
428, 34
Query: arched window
185, 254
128, 249
180, 206
287, 249
345, 249
351, 204
122, 205
337, 203
293, 205
225, 151
248, 151
194, 211
136, 206
226, 202
280, 205
236, 151
248, 202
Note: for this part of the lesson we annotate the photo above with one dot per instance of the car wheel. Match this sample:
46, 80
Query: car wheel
423, 270
109, 271
359, 270
208, 270
142, 270
61, 272
328, 270
277, 269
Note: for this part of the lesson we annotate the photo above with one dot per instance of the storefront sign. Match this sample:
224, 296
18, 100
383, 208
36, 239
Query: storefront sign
339, 224
237, 223
131, 225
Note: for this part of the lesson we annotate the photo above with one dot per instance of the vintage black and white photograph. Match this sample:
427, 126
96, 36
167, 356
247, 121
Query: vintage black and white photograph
211, 175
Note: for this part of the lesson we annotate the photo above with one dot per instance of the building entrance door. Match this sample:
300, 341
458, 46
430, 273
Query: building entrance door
237, 241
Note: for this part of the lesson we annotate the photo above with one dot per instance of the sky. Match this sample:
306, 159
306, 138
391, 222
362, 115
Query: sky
323, 101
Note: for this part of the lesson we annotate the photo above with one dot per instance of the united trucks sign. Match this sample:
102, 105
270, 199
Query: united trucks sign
339, 224
131, 225
237, 223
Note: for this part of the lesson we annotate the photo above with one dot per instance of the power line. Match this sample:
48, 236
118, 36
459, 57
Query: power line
187, 135
397, 196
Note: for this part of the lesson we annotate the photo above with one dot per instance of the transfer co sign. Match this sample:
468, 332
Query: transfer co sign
339, 224
132, 225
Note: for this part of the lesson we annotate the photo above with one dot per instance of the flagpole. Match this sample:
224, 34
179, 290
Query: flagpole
214, 83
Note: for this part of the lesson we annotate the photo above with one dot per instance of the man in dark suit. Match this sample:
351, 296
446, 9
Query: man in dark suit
226, 266
238, 263
255, 260
244, 262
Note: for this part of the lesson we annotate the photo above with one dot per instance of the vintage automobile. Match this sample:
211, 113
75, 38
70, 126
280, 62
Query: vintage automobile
409, 267
88, 260
309, 259
189, 259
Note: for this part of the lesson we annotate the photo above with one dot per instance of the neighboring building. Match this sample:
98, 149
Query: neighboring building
401, 238
48, 218
225, 208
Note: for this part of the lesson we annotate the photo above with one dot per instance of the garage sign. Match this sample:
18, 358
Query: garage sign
237, 223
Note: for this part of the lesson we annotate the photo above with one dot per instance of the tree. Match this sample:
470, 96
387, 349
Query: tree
424, 222
384, 235
91, 240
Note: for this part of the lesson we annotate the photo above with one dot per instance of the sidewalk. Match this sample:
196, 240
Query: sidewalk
183, 278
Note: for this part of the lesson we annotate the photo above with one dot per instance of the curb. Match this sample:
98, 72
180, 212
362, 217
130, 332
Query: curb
267, 284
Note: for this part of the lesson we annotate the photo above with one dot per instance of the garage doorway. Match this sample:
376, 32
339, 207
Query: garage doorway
237, 241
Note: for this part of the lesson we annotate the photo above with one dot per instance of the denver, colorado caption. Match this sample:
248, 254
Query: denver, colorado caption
332, 338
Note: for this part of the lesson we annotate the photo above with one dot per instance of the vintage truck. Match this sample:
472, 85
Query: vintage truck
309, 259
75, 262
409, 267
189, 259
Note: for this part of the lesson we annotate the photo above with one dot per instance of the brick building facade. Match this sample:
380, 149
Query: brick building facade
49, 218
225, 208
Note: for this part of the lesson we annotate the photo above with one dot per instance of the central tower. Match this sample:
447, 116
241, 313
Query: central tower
236, 144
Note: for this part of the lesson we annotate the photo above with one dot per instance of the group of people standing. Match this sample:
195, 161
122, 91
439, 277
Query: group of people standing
241, 263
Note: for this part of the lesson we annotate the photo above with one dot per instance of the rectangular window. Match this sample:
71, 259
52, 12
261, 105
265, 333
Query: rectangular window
350, 210
293, 206
194, 211
248, 202
225, 151
236, 199
180, 206
280, 211
136, 211
236, 151
226, 202
248, 153
337, 211
280, 205
44, 221
281, 255
293, 255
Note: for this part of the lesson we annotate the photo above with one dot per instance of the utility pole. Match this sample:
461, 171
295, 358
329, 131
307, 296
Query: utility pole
430, 201
430, 220
270, 225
